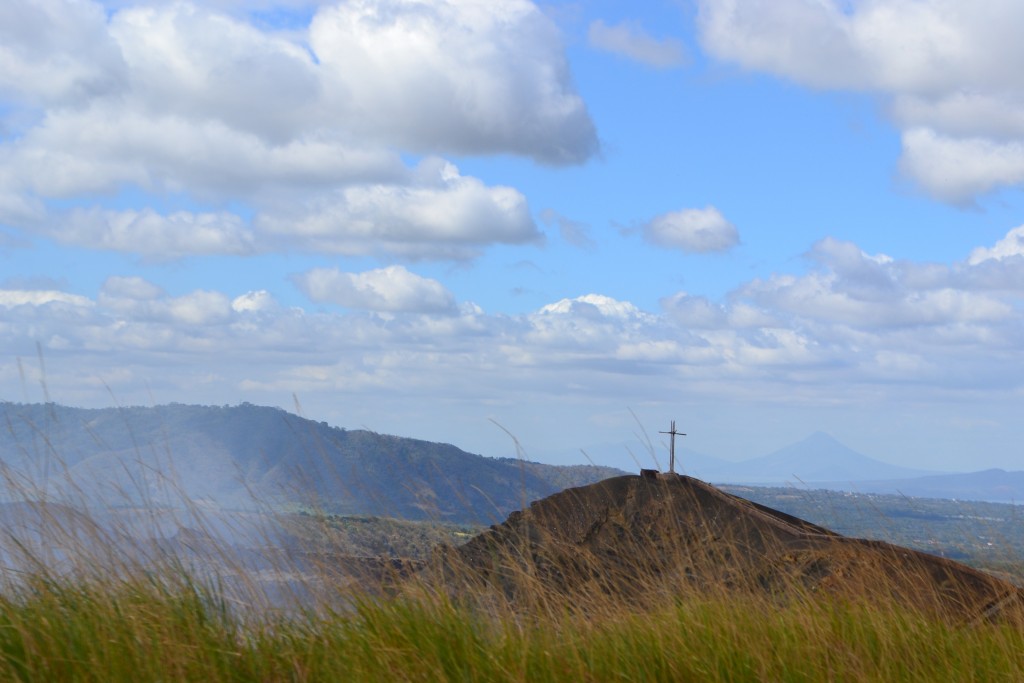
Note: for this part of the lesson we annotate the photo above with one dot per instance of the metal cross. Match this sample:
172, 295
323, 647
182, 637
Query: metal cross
672, 446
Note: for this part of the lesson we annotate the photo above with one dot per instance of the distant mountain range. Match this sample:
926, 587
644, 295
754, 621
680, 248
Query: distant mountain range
818, 458
250, 457
993, 486
820, 461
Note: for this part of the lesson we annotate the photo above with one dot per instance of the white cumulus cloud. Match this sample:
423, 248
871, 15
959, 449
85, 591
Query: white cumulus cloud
54, 52
477, 76
391, 289
876, 292
155, 236
695, 230
597, 303
140, 300
39, 297
259, 301
1008, 247
202, 65
438, 214
949, 69
201, 102
959, 168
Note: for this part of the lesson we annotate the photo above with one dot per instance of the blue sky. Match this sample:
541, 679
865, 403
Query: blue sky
577, 220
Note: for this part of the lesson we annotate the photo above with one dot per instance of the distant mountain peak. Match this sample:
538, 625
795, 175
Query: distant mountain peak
819, 457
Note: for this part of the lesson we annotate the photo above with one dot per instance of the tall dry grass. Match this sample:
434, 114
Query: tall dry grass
137, 630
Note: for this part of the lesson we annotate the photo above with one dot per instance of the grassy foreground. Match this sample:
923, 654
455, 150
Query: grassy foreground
80, 603
145, 629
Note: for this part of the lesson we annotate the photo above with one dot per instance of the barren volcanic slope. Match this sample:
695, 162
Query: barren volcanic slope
636, 536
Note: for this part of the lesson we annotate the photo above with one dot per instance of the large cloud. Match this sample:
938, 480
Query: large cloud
177, 99
949, 68
199, 65
478, 76
105, 146
55, 52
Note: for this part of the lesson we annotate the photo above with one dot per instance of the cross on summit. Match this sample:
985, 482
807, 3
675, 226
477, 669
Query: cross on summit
672, 446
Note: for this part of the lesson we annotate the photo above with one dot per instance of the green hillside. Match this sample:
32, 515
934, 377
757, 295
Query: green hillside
247, 456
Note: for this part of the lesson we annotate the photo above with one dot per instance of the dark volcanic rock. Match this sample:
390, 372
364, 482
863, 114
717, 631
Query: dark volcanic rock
639, 537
